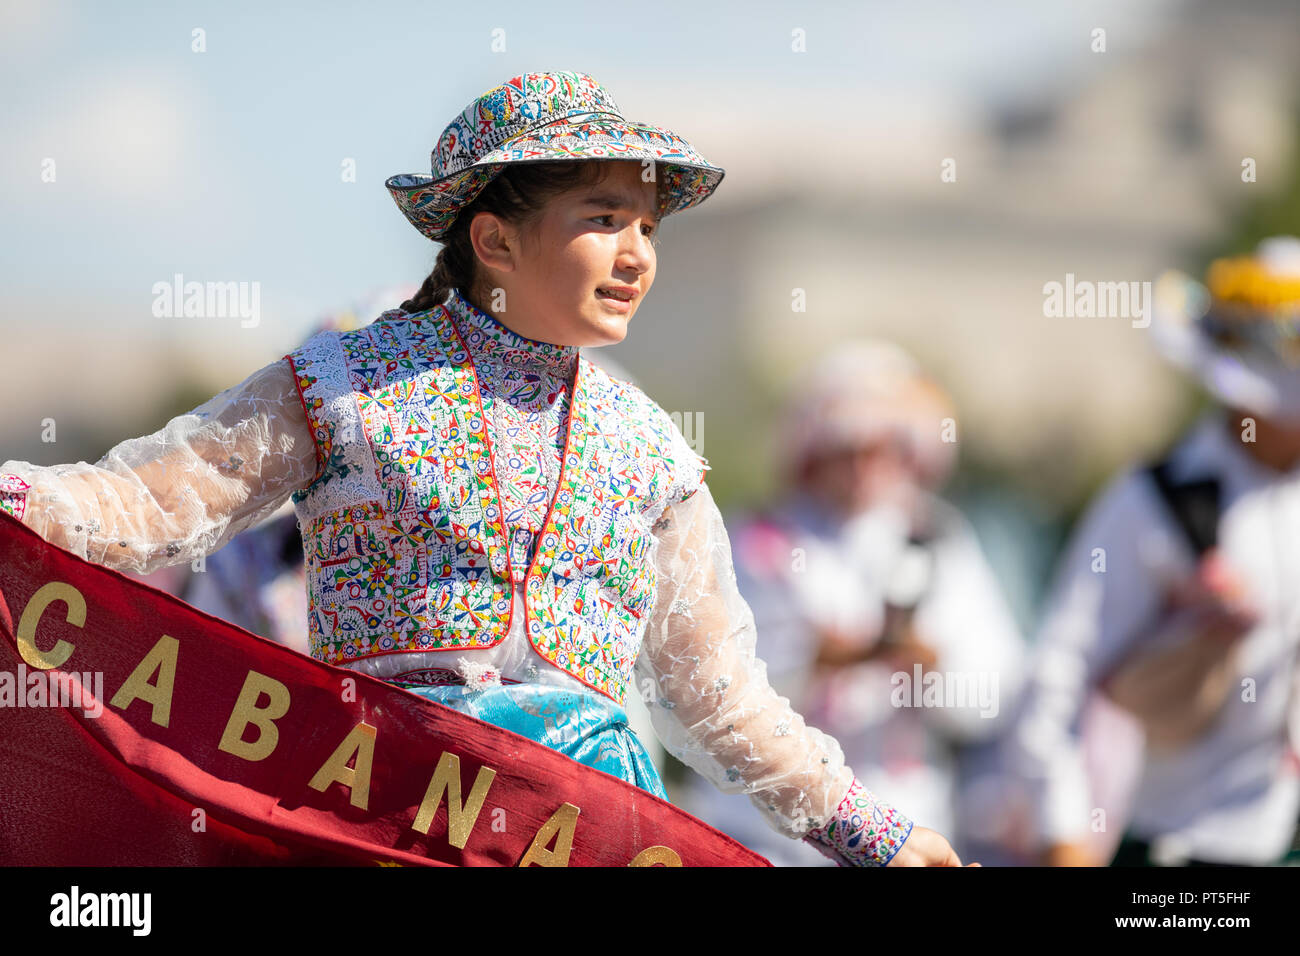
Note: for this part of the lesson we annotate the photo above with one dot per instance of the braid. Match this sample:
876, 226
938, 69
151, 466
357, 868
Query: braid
434, 290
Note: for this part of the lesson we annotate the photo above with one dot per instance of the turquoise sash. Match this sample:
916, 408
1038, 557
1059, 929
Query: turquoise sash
583, 725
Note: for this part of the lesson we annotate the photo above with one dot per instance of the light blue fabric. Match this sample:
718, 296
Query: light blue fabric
583, 725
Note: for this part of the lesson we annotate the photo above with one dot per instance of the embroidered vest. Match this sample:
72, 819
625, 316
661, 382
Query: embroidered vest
404, 541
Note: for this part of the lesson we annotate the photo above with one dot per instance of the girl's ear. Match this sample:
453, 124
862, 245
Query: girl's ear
495, 242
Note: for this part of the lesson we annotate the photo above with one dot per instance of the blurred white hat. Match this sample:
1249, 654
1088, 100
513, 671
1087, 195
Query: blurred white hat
1239, 330
862, 393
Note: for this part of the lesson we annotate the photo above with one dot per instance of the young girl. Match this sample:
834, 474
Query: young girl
490, 520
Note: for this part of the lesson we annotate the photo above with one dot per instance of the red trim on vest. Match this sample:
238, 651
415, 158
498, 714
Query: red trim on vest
311, 423
496, 486
550, 514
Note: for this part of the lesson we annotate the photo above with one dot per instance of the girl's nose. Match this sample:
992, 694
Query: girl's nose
636, 250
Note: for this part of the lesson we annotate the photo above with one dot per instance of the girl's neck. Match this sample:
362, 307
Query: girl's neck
489, 336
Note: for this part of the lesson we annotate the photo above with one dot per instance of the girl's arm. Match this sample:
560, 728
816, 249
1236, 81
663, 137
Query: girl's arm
716, 712
181, 492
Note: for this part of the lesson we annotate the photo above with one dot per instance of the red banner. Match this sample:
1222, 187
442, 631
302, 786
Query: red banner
137, 730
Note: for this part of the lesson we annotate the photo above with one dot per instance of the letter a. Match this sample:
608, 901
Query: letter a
361, 742
560, 826
161, 660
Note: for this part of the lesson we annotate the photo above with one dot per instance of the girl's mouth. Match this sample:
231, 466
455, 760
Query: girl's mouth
619, 301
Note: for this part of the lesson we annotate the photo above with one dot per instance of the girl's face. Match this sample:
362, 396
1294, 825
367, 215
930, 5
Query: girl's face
589, 239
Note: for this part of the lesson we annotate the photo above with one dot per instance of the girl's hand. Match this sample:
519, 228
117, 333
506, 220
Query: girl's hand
926, 848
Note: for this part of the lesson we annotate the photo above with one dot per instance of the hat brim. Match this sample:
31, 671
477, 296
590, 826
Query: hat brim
431, 204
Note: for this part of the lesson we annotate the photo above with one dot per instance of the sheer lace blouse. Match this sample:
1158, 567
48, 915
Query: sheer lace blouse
205, 476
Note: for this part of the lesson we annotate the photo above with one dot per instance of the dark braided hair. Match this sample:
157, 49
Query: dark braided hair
518, 195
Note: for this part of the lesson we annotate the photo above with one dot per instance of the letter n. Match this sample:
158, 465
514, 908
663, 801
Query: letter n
460, 817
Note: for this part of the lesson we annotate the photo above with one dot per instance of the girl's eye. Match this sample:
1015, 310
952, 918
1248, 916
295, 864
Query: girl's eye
648, 230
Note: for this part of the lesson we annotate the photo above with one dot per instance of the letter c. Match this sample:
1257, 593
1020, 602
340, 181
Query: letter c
57, 655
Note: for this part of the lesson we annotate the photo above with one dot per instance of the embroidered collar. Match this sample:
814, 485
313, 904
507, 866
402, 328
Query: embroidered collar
490, 340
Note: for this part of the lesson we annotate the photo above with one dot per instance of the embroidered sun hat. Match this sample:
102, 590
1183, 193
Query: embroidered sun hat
1239, 330
541, 117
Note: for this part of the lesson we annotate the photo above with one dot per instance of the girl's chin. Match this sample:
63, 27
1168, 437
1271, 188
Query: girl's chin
610, 329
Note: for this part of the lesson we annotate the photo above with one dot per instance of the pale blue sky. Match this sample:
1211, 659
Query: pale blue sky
226, 164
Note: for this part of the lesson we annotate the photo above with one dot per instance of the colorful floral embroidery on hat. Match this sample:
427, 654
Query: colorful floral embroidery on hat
541, 117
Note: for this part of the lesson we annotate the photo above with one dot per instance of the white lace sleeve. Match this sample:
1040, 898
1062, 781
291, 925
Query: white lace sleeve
181, 492
715, 711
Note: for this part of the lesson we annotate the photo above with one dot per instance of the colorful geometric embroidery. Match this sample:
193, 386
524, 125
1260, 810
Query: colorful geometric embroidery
443, 677
863, 831
13, 495
407, 546
526, 389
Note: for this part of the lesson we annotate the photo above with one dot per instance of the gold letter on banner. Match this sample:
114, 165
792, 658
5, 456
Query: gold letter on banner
360, 741
656, 856
563, 822
57, 655
247, 712
460, 819
161, 658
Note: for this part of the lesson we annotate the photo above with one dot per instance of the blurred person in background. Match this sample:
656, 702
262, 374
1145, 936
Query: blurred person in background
862, 580
259, 579
1177, 598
